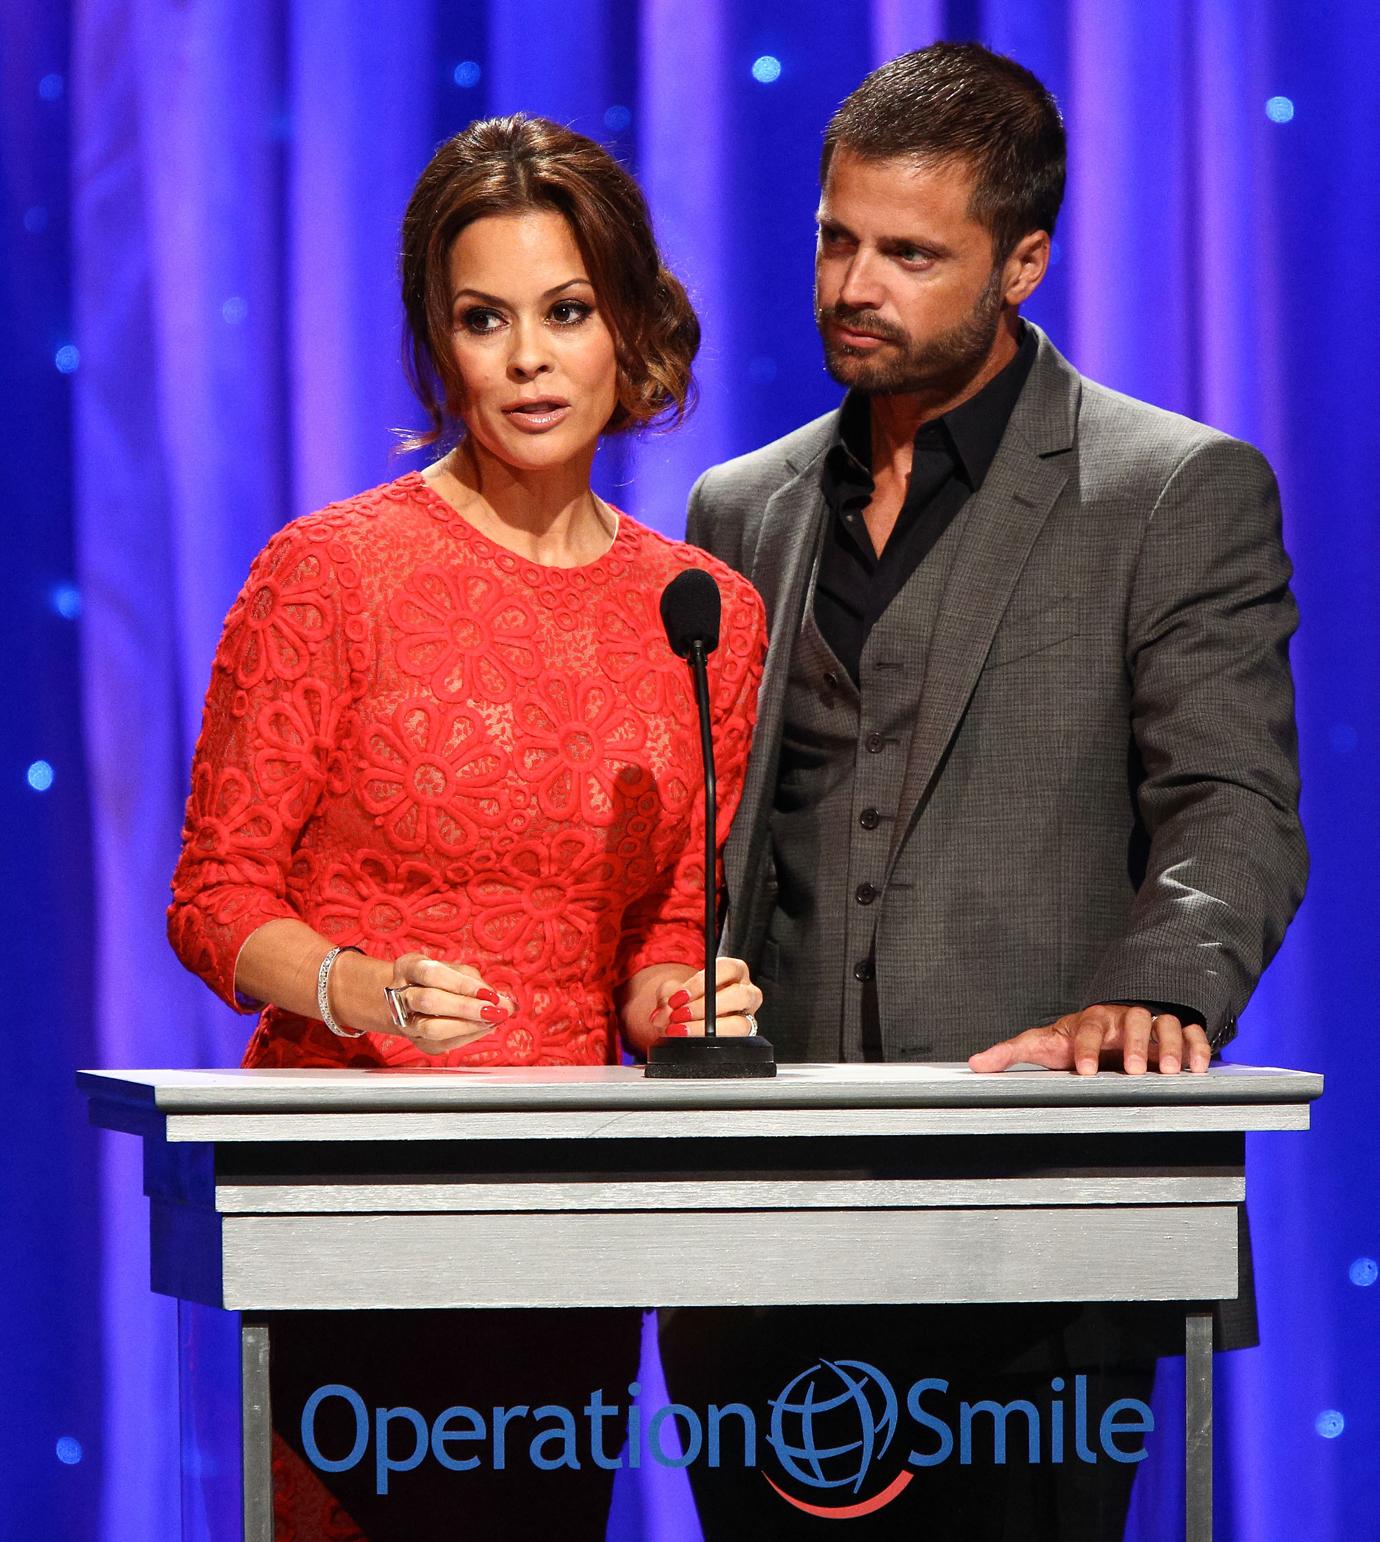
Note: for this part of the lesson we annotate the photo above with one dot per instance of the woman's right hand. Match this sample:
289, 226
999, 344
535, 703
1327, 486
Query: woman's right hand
448, 1005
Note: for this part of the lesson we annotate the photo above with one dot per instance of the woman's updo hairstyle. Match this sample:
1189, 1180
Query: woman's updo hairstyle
508, 166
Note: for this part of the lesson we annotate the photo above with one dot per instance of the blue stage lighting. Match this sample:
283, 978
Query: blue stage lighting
69, 1450
51, 87
616, 119
1279, 109
1329, 1424
36, 219
66, 359
40, 776
1364, 1271
766, 69
762, 369
466, 73
67, 601
234, 310
1342, 738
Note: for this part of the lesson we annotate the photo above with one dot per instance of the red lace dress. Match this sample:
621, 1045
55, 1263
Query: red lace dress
415, 739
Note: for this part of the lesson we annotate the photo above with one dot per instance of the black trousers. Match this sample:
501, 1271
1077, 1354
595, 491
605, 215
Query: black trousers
1000, 1355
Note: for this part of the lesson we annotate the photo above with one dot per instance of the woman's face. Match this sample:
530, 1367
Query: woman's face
535, 356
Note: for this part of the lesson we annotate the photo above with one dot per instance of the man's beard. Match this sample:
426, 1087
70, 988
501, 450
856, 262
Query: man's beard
909, 367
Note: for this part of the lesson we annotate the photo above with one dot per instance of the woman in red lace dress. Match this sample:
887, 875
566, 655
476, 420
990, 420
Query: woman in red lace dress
446, 747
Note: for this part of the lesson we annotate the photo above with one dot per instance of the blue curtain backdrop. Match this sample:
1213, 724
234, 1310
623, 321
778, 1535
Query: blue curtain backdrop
201, 201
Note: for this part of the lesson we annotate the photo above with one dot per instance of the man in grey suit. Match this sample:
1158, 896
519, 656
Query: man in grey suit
1025, 750
1024, 785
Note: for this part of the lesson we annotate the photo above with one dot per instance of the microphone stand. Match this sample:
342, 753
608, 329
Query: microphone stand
699, 668
713, 1055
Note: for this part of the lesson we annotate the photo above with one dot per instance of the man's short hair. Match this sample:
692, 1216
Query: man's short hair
962, 101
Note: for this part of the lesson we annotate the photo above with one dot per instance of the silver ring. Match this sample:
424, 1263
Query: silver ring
397, 1006
751, 1022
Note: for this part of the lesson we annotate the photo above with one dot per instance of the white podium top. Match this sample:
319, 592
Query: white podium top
541, 1102
278, 1189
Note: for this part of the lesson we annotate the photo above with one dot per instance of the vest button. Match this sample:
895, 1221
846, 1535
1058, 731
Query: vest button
864, 970
869, 819
831, 680
866, 894
874, 744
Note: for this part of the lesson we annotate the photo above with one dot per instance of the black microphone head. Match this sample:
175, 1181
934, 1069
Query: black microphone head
690, 607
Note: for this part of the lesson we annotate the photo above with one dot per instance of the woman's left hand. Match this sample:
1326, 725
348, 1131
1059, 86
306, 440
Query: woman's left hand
679, 1010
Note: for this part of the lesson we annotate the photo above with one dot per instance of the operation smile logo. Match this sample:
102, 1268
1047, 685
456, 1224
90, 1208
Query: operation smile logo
832, 1431
827, 1437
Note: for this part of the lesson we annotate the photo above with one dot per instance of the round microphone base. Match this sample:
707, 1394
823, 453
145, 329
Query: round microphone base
700, 1057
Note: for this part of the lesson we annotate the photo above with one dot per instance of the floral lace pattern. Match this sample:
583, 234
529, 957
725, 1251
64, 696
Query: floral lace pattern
415, 739
304, 1509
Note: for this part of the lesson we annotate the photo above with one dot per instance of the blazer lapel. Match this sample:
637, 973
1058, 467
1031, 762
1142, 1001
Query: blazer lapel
1000, 526
780, 571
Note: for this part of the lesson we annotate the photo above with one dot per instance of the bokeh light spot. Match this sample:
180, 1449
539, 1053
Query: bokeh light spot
51, 87
1279, 109
40, 776
616, 119
235, 309
766, 69
66, 359
1329, 1424
466, 74
69, 1450
67, 601
36, 219
1364, 1271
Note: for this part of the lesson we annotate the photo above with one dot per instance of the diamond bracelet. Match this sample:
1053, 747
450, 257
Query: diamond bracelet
323, 1004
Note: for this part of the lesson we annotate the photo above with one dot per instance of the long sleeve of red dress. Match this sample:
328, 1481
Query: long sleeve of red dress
417, 740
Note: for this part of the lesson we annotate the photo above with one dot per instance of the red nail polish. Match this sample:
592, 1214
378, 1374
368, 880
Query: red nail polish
681, 1015
679, 999
492, 1014
677, 1031
487, 995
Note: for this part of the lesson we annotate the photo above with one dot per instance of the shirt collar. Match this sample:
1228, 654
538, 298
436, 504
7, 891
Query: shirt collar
974, 428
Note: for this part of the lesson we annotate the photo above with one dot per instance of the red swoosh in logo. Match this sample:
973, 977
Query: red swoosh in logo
849, 1512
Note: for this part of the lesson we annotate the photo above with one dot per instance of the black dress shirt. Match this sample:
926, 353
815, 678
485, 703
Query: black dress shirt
951, 457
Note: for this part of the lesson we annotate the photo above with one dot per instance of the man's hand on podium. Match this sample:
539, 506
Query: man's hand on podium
1110, 1036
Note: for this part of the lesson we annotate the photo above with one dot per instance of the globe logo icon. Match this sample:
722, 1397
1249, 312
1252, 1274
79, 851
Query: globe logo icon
832, 1422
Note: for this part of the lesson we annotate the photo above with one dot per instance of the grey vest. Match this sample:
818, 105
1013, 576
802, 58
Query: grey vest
843, 755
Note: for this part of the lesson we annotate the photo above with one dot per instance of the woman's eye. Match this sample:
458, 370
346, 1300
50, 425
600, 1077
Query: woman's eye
570, 313
481, 320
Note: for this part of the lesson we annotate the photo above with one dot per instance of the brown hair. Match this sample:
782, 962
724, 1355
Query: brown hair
960, 100
506, 166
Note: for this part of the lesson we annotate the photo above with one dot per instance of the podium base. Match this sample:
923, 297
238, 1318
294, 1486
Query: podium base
716, 1057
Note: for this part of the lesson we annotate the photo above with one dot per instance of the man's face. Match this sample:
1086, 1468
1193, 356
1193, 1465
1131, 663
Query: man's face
907, 298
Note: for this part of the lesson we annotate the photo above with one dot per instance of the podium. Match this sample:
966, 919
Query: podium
279, 1190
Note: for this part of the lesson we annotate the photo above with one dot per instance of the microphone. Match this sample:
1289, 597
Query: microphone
691, 607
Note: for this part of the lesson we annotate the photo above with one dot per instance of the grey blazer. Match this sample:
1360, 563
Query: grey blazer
1100, 800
